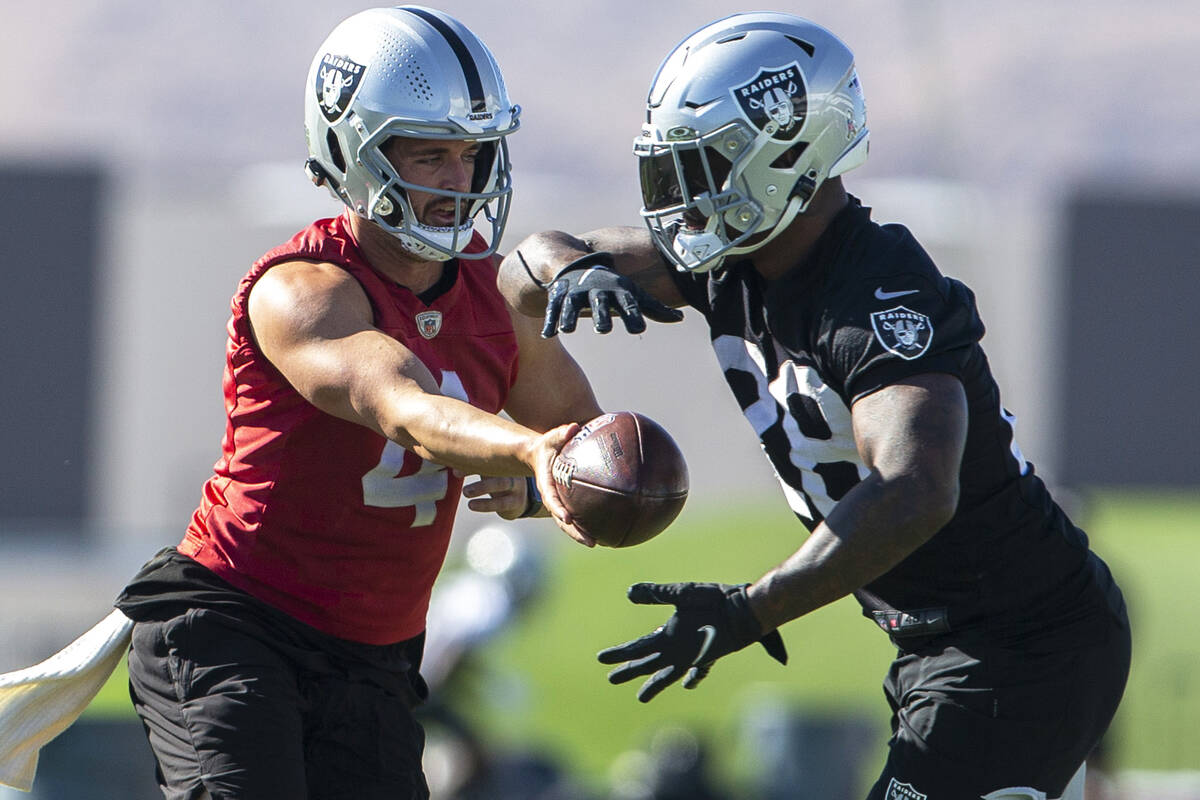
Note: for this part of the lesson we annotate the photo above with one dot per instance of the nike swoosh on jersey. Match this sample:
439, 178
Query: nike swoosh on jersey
710, 633
880, 294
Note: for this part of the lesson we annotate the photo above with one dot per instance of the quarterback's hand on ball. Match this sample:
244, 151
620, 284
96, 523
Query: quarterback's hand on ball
591, 282
710, 620
545, 450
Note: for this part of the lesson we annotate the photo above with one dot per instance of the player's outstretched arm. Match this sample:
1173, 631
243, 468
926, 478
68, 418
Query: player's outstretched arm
314, 323
602, 273
910, 436
551, 389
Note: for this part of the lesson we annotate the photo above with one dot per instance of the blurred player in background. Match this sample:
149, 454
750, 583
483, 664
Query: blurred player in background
276, 649
859, 367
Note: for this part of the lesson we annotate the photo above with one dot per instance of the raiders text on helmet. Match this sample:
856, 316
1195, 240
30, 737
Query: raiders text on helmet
415, 72
746, 118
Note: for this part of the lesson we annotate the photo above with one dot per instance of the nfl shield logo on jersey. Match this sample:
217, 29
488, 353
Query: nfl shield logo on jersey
429, 323
903, 331
902, 791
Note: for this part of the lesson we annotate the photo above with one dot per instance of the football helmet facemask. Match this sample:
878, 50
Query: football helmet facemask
415, 72
746, 118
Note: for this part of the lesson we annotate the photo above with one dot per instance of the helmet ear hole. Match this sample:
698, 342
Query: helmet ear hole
390, 212
335, 151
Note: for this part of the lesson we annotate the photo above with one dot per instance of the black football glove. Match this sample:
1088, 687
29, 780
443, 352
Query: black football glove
591, 282
710, 620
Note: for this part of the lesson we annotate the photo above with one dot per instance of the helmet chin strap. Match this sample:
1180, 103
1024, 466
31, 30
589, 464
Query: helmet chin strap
436, 244
426, 242
693, 247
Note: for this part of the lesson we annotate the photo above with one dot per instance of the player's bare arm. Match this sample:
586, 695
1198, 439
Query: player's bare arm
550, 389
607, 271
313, 322
911, 437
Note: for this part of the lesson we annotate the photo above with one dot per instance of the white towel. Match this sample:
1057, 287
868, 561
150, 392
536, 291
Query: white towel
40, 702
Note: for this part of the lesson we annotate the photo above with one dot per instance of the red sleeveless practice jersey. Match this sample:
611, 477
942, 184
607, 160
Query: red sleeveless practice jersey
325, 519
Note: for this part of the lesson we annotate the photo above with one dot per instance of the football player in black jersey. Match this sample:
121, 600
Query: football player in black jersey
859, 365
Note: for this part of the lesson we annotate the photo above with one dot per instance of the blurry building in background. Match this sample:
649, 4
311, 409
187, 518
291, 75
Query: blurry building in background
1132, 366
53, 264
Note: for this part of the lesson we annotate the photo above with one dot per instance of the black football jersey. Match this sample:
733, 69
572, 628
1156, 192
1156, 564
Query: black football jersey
867, 309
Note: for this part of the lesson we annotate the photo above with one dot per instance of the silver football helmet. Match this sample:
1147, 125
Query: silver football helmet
416, 72
746, 118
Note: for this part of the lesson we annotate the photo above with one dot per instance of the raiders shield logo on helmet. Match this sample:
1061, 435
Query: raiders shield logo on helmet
903, 331
775, 102
337, 81
429, 323
902, 791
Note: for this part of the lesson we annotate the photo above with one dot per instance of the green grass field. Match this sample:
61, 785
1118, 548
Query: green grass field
540, 684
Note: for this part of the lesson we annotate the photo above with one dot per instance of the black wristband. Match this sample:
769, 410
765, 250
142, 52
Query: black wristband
599, 258
746, 626
533, 498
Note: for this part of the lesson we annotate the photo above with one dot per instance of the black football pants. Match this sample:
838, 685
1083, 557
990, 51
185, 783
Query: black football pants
232, 713
970, 717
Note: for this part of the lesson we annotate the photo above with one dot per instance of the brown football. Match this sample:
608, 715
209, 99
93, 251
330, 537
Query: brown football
623, 478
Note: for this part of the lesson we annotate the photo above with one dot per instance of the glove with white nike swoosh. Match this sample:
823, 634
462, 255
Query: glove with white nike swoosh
711, 620
591, 282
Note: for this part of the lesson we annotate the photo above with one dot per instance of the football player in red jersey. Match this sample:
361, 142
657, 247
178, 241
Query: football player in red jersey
275, 651
859, 366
